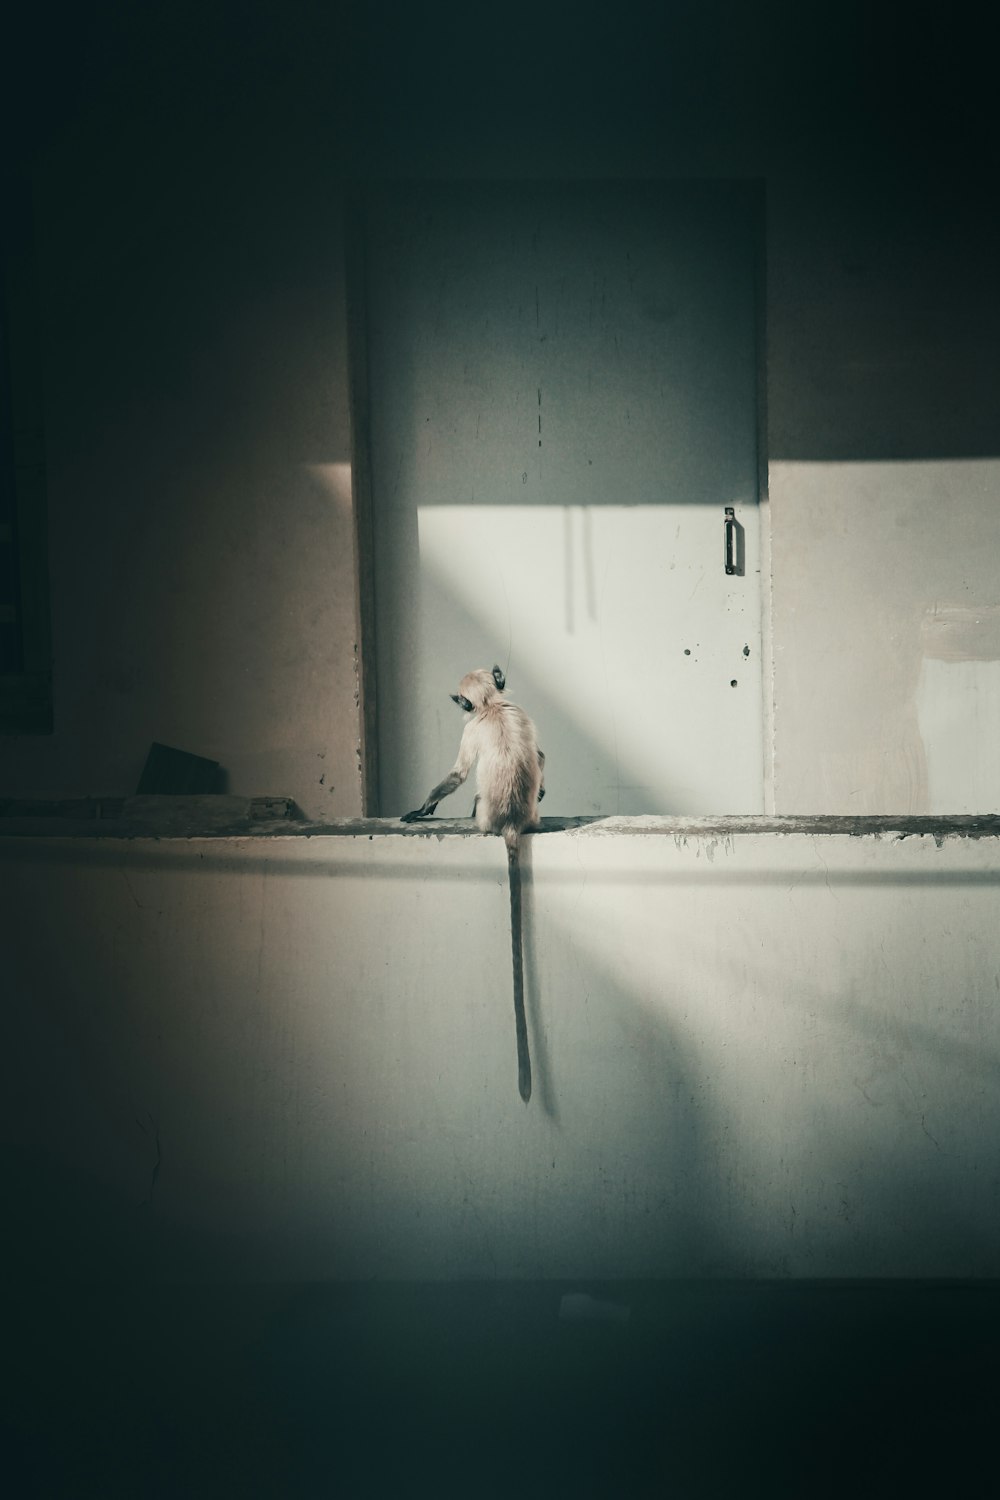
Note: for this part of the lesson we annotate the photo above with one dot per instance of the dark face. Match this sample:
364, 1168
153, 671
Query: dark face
463, 703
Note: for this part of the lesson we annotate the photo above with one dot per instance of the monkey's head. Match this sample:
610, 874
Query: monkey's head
478, 688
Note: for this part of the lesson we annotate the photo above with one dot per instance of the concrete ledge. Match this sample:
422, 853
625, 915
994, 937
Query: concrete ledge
277, 817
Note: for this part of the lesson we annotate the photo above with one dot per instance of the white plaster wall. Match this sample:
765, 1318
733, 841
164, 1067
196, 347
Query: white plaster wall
884, 480
755, 1055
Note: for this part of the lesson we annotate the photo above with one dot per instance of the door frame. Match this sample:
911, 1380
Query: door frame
361, 489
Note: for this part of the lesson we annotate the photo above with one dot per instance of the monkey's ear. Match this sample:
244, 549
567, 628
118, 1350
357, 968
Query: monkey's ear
499, 678
463, 703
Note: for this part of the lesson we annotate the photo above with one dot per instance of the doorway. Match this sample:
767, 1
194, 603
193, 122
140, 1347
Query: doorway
563, 400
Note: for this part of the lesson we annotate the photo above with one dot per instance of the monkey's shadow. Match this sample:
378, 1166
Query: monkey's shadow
541, 1069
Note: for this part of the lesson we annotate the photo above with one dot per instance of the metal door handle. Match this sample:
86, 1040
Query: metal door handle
734, 542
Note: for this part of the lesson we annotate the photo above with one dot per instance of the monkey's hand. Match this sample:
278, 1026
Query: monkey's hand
418, 813
444, 788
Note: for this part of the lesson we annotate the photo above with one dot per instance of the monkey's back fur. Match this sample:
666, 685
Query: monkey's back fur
508, 773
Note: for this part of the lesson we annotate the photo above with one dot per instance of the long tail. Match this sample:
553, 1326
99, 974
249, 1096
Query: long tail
520, 1021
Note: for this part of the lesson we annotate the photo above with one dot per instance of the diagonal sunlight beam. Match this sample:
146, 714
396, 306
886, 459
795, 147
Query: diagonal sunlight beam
631, 638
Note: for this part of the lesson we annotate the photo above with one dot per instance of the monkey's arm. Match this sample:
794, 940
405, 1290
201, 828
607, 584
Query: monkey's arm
444, 788
541, 767
453, 780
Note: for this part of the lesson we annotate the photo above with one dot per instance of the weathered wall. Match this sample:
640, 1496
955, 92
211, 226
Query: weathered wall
755, 1054
189, 190
884, 475
193, 331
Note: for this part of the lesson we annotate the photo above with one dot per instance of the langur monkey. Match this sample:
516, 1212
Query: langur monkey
510, 778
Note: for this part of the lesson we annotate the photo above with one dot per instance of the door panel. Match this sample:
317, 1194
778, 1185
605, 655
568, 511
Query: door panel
562, 388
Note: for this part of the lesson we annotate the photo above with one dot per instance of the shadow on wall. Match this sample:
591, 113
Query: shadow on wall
883, 318
643, 1196
702, 1112
839, 1135
103, 1181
